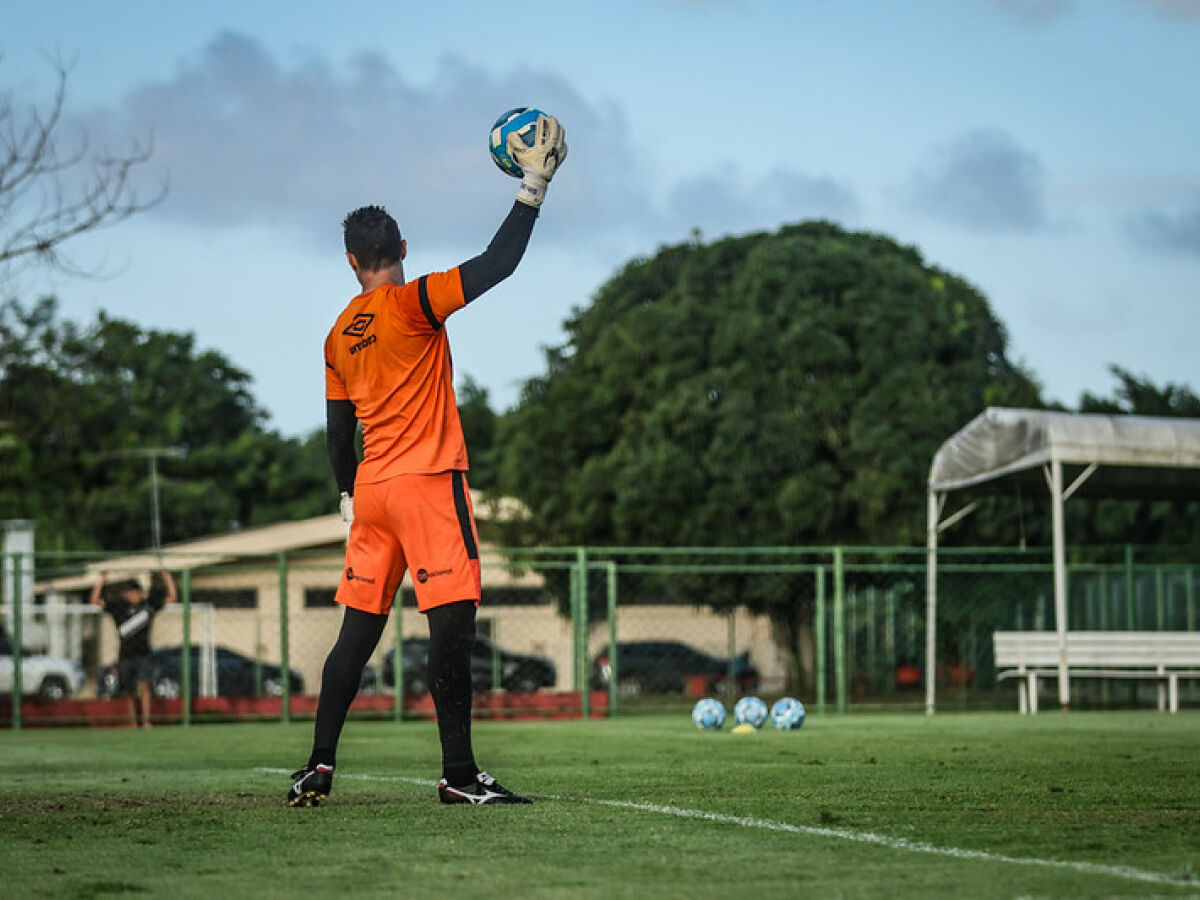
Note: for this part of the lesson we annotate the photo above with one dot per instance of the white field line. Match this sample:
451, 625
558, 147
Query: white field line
860, 837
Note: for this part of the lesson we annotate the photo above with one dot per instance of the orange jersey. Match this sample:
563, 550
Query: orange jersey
388, 354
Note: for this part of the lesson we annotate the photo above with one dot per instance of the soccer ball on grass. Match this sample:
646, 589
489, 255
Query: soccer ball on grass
750, 711
787, 713
522, 121
708, 714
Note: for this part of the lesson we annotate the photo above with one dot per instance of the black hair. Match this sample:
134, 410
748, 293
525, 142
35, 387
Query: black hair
373, 237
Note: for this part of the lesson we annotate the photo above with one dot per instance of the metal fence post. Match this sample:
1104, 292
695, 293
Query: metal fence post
185, 668
839, 627
820, 636
581, 632
1189, 593
18, 640
731, 630
1160, 600
285, 713
612, 637
398, 662
872, 635
1130, 590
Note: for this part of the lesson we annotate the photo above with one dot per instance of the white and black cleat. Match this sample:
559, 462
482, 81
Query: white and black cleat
485, 789
310, 785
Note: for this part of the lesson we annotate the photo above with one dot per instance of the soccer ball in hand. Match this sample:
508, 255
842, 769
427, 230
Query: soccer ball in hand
787, 713
750, 711
708, 714
522, 121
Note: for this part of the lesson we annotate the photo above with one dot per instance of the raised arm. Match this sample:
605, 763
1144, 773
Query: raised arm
172, 595
500, 259
96, 599
538, 164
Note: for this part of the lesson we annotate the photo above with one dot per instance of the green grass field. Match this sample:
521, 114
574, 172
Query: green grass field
974, 805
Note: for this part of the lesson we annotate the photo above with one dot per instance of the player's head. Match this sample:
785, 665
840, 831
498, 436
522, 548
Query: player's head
372, 238
133, 591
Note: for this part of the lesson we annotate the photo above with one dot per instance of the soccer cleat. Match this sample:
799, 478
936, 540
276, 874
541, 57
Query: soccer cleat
310, 785
485, 789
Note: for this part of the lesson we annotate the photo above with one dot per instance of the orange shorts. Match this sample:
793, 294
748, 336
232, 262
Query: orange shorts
420, 522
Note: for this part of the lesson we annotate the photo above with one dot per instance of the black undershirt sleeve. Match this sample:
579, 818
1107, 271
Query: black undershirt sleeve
341, 421
500, 258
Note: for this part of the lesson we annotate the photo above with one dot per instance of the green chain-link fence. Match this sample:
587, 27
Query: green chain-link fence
592, 631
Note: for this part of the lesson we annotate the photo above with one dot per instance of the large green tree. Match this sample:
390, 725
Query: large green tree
774, 389
783, 388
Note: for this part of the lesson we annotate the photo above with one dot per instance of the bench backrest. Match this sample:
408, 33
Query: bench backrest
1172, 649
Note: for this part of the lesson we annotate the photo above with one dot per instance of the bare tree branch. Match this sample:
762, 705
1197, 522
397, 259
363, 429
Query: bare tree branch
39, 210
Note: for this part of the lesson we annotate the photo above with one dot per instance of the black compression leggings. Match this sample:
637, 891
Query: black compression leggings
451, 635
340, 679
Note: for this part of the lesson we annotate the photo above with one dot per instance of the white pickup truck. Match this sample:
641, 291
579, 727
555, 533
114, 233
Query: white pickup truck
47, 677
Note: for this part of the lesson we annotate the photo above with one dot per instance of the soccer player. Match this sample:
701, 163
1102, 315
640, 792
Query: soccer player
387, 365
133, 613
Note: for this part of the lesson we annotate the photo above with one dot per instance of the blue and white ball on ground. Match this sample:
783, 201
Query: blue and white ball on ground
787, 713
750, 711
522, 121
708, 714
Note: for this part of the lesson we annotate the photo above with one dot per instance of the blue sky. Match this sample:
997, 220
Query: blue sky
1048, 151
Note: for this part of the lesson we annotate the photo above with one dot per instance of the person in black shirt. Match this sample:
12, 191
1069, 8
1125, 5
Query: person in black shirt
133, 613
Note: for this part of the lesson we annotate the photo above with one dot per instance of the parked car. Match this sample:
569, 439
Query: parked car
519, 672
667, 667
236, 675
47, 677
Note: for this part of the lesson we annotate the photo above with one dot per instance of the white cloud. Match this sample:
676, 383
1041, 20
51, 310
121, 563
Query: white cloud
982, 181
1176, 232
248, 140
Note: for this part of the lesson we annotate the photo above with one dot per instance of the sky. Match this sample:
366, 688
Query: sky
1047, 151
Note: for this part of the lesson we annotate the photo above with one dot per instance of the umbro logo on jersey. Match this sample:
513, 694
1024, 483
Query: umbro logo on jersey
358, 327
423, 575
351, 576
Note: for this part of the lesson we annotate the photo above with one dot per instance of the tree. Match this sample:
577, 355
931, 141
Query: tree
79, 403
1138, 522
51, 192
784, 389
479, 424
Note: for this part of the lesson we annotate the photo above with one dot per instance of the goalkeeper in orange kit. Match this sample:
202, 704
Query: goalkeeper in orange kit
387, 365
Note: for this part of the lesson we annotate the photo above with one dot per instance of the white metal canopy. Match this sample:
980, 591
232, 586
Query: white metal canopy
1103, 456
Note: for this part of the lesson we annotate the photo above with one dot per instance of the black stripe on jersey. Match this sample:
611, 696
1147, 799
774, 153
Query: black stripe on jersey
464, 514
423, 293
329, 365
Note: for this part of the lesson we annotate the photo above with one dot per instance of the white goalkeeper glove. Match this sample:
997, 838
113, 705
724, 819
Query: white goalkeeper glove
346, 505
539, 162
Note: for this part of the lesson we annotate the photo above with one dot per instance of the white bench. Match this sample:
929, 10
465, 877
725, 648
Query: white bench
1164, 656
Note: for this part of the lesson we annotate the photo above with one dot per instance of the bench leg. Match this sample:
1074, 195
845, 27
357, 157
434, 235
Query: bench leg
1173, 692
1162, 697
1033, 693
1022, 697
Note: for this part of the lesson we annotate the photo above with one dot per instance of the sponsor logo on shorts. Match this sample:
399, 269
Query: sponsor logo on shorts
352, 576
358, 327
423, 575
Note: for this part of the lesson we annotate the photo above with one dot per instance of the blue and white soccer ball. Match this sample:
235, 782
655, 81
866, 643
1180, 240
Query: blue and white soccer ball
708, 714
750, 711
523, 121
787, 713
